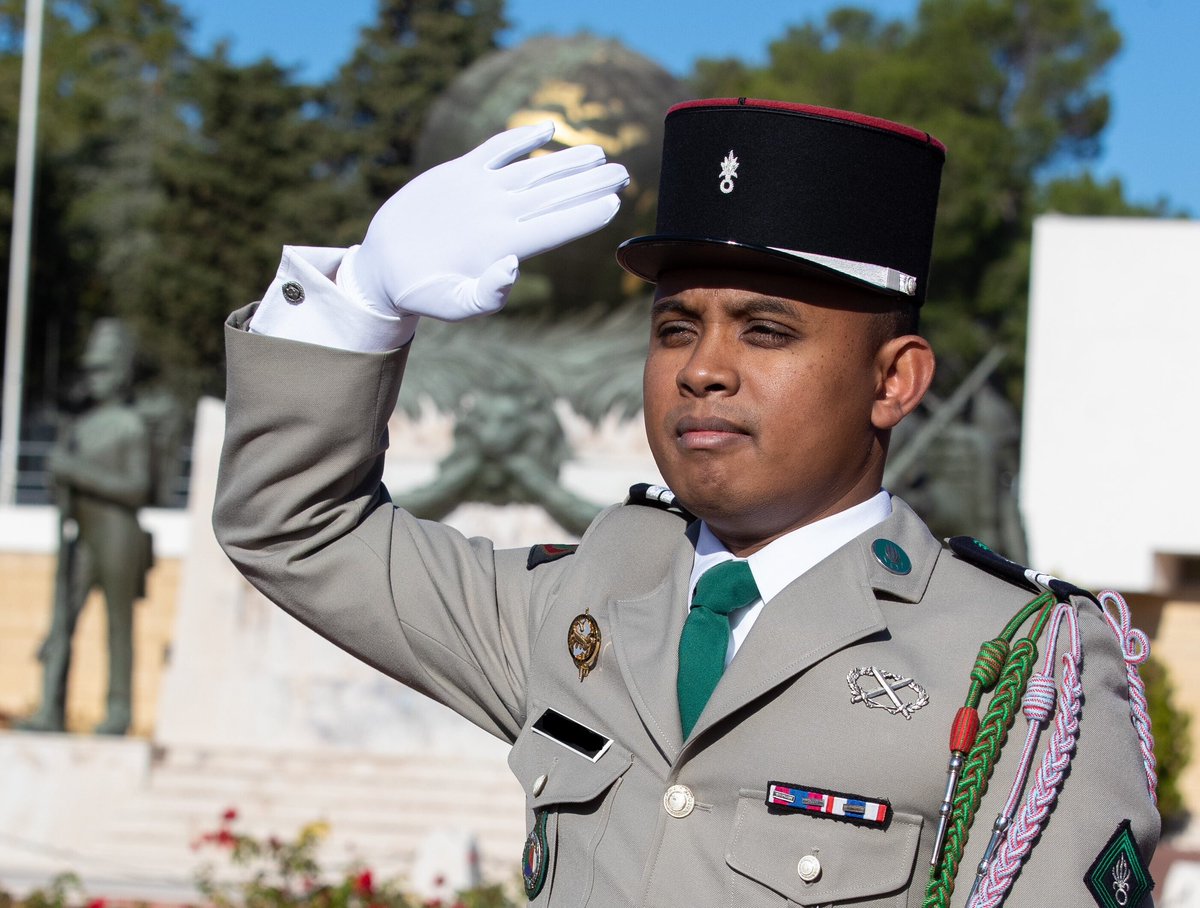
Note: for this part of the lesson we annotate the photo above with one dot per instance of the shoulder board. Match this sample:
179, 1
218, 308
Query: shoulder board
658, 497
545, 553
974, 552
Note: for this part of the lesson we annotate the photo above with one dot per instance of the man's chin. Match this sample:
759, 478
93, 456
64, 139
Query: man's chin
717, 505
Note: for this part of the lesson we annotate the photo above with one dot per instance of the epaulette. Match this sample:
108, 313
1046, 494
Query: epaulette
658, 497
975, 552
545, 553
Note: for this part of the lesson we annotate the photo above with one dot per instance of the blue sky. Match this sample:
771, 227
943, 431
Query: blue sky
1151, 142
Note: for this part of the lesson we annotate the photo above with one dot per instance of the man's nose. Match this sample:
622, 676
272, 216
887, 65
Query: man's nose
711, 369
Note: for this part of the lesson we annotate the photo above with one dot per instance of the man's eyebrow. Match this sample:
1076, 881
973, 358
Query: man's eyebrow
744, 307
671, 305
750, 306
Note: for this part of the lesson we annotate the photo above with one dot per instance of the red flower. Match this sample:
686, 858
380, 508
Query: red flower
224, 838
229, 815
97, 903
363, 883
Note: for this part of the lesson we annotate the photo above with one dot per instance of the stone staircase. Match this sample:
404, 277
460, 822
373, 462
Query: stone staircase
379, 810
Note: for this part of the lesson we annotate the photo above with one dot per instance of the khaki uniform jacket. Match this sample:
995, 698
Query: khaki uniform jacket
301, 511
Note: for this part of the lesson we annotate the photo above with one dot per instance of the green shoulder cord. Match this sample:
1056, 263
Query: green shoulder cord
974, 750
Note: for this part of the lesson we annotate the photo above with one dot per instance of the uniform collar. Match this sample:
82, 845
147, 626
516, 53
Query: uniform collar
776, 565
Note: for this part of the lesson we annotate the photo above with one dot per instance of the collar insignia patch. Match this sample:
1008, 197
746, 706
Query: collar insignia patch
883, 690
544, 554
1119, 878
891, 556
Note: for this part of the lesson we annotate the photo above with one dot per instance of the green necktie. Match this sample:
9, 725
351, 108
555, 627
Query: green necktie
705, 638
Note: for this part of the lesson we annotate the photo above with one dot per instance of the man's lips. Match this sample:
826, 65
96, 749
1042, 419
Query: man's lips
708, 433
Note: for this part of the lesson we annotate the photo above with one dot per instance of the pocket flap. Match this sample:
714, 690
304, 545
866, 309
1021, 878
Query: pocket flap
855, 862
553, 774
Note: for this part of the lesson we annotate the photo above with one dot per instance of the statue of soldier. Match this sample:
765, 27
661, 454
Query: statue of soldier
101, 470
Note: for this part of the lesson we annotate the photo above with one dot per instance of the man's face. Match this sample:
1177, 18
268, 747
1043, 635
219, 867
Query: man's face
759, 392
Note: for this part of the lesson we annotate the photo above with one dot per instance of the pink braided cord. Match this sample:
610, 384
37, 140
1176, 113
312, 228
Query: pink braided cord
1027, 825
1135, 649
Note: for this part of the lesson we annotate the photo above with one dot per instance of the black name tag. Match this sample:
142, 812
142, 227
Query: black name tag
572, 735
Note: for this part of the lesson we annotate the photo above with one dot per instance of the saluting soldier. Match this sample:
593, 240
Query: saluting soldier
768, 685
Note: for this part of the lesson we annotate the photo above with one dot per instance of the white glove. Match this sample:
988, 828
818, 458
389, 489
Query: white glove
449, 243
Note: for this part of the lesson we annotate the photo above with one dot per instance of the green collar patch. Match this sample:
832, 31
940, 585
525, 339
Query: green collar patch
891, 556
1119, 878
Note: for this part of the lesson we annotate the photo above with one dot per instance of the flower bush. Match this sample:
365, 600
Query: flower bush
272, 873
275, 873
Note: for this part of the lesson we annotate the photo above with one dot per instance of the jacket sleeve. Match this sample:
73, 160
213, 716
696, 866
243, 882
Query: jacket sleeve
301, 511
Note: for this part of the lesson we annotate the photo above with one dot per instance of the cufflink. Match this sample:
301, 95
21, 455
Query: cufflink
293, 292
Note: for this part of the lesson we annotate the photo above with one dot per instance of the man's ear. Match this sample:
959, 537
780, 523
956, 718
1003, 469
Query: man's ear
904, 369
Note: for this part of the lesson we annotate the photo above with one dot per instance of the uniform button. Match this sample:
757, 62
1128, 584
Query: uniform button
293, 292
539, 785
679, 801
809, 868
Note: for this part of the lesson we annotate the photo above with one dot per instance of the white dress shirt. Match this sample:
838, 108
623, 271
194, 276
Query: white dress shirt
328, 314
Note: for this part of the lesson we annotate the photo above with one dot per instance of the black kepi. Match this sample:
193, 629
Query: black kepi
767, 185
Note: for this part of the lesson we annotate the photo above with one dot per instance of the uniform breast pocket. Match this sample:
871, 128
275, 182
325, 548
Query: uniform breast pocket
570, 786
781, 858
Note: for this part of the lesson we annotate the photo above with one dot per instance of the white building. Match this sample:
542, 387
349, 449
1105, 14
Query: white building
1111, 440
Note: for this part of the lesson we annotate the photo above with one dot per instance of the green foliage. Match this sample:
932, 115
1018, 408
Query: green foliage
110, 69
167, 181
1083, 195
237, 182
378, 101
63, 891
1172, 743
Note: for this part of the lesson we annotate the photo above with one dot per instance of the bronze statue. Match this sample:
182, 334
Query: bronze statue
508, 447
101, 467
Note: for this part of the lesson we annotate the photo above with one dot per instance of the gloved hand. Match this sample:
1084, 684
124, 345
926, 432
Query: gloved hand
449, 243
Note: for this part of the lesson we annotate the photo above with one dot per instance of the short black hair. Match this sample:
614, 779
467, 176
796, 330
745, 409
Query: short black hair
896, 320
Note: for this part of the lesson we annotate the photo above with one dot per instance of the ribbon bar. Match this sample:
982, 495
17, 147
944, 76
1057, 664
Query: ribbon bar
802, 799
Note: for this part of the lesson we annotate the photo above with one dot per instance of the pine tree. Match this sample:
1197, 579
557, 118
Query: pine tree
378, 101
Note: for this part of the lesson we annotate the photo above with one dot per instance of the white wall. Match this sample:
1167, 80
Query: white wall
33, 529
1111, 441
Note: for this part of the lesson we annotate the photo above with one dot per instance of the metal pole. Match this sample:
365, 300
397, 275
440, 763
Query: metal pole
18, 265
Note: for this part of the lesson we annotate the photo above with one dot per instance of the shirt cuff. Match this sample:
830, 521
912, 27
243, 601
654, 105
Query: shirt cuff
306, 303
